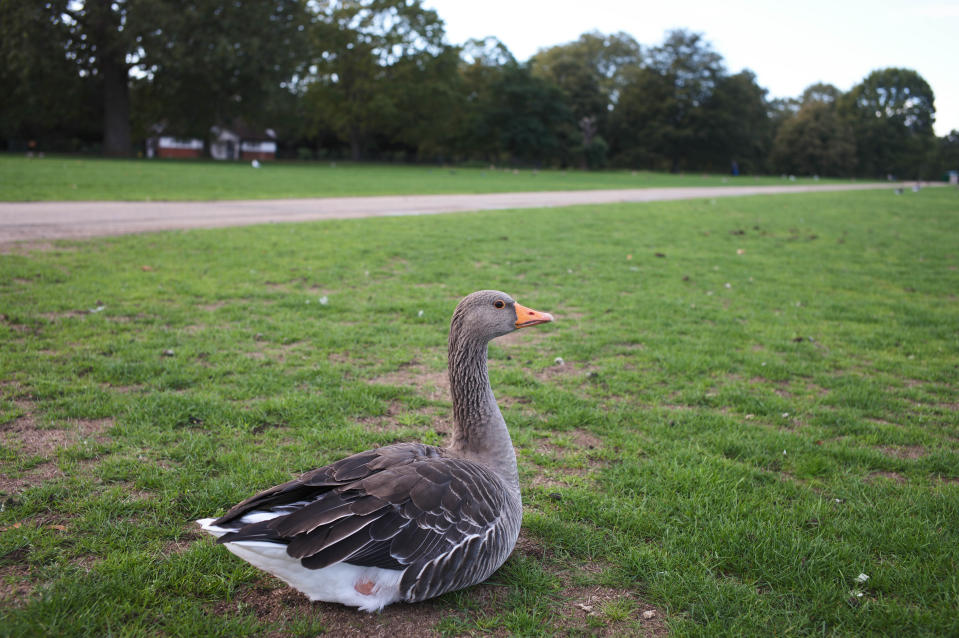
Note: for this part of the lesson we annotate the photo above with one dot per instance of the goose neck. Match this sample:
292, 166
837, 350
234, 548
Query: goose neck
479, 431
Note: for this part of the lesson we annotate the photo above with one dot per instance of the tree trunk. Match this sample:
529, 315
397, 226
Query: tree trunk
355, 145
116, 108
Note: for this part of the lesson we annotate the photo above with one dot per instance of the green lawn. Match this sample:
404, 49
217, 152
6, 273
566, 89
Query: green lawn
71, 178
757, 404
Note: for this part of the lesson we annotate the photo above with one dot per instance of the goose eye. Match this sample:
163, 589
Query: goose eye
499, 304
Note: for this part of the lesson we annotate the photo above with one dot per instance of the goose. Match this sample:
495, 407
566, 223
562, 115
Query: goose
403, 522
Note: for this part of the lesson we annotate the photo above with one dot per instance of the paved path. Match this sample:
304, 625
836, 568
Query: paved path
35, 221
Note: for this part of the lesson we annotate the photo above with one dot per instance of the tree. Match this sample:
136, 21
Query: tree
590, 72
945, 157
510, 113
691, 66
812, 138
527, 116
642, 126
737, 127
89, 41
369, 52
45, 100
195, 61
209, 62
891, 113
660, 119
816, 141
820, 92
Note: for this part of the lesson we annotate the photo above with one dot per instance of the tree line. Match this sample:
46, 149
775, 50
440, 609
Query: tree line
377, 80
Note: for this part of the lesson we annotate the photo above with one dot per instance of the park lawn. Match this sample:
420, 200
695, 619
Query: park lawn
756, 404
62, 178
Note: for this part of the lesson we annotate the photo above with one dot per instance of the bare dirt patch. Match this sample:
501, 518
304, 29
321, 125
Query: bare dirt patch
15, 581
428, 383
592, 609
566, 369
279, 606
274, 352
575, 463
605, 611
187, 539
905, 451
895, 476
398, 417
519, 338
27, 247
30, 440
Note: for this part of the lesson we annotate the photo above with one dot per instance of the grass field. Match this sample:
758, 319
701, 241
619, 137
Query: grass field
758, 403
70, 178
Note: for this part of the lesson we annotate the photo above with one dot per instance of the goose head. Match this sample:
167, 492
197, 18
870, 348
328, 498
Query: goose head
488, 314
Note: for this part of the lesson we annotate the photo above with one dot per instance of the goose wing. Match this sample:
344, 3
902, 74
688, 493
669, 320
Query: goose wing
405, 507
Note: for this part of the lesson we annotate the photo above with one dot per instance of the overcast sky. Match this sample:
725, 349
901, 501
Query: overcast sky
788, 45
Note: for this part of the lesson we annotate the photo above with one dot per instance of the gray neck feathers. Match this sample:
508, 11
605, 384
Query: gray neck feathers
479, 431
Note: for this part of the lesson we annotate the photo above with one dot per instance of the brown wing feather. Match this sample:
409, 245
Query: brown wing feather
407, 506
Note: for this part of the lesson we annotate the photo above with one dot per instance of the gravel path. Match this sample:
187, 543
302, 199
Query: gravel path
39, 221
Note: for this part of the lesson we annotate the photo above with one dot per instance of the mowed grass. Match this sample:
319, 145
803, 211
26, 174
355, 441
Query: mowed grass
71, 178
757, 403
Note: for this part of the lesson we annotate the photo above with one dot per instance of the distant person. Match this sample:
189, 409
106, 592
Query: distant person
735, 169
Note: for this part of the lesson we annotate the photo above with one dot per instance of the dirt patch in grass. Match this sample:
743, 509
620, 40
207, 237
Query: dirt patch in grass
191, 533
399, 416
905, 451
274, 352
519, 338
280, 606
567, 369
895, 476
428, 383
15, 581
27, 247
605, 611
592, 609
581, 440
24, 435
574, 463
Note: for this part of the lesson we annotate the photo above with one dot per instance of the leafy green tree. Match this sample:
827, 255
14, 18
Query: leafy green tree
816, 141
590, 72
820, 92
693, 69
660, 118
376, 65
527, 117
737, 127
891, 113
510, 113
45, 99
643, 124
194, 62
58, 42
209, 62
945, 156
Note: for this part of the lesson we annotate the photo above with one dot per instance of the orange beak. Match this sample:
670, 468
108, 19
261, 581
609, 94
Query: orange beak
526, 317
